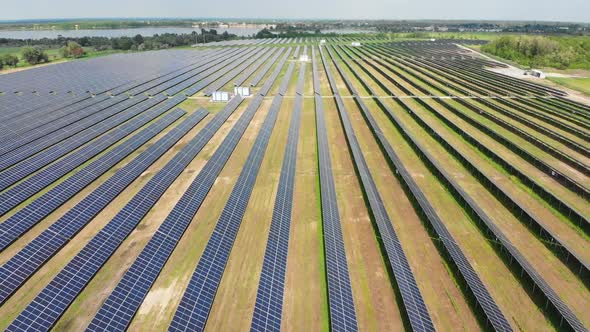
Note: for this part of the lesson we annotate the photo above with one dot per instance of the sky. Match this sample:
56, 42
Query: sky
530, 10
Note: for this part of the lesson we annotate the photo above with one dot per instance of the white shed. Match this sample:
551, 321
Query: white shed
537, 73
243, 91
303, 57
322, 42
220, 96
355, 44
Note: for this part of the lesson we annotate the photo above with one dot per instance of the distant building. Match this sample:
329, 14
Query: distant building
355, 44
220, 96
243, 91
322, 42
304, 57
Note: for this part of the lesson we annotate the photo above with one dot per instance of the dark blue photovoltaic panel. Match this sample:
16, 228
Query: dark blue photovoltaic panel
266, 68
476, 286
340, 300
152, 259
21, 266
197, 300
80, 270
43, 178
17, 224
58, 140
269, 298
50, 154
412, 298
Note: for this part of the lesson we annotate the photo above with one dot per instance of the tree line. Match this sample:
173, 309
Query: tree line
33, 51
538, 51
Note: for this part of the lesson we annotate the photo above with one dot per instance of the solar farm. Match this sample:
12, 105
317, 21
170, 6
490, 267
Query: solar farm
360, 185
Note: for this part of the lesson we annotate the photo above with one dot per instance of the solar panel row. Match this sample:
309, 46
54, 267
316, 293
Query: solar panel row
475, 285
240, 67
195, 86
67, 138
266, 68
550, 294
37, 121
244, 76
28, 187
17, 224
412, 298
269, 298
197, 299
341, 303
55, 298
28, 260
179, 83
57, 130
522, 211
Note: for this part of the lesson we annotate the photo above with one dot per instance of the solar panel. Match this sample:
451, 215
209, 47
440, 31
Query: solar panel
80, 270
412, 298
269, 298
548, 292
340, 300
67, 139
41, 179
476, 286
197, 300
37, 252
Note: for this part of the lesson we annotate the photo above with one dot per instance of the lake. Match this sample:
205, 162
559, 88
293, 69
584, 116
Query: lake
39, 34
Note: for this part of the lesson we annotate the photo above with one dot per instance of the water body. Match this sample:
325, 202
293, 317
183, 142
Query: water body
39, 34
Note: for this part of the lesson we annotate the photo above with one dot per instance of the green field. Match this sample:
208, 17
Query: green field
580, 84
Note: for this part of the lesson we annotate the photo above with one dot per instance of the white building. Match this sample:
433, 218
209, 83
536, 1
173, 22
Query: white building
243, 91
220, 96
322, 42
355, 44
304, 57
537, 73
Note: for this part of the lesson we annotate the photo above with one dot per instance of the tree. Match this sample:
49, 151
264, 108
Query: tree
138, 39
34, 55
9, 60
72, 50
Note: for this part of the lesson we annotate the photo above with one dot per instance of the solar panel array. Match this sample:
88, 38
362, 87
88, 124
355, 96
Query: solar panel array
120, 307
65, 127
266, 68
269, 298
56, 297
341, 303
197, 300
46, 150
43, 178
197, 86
237, 68
35, 124
412, 298
563, 310
28, 260
247, 73
493, 313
